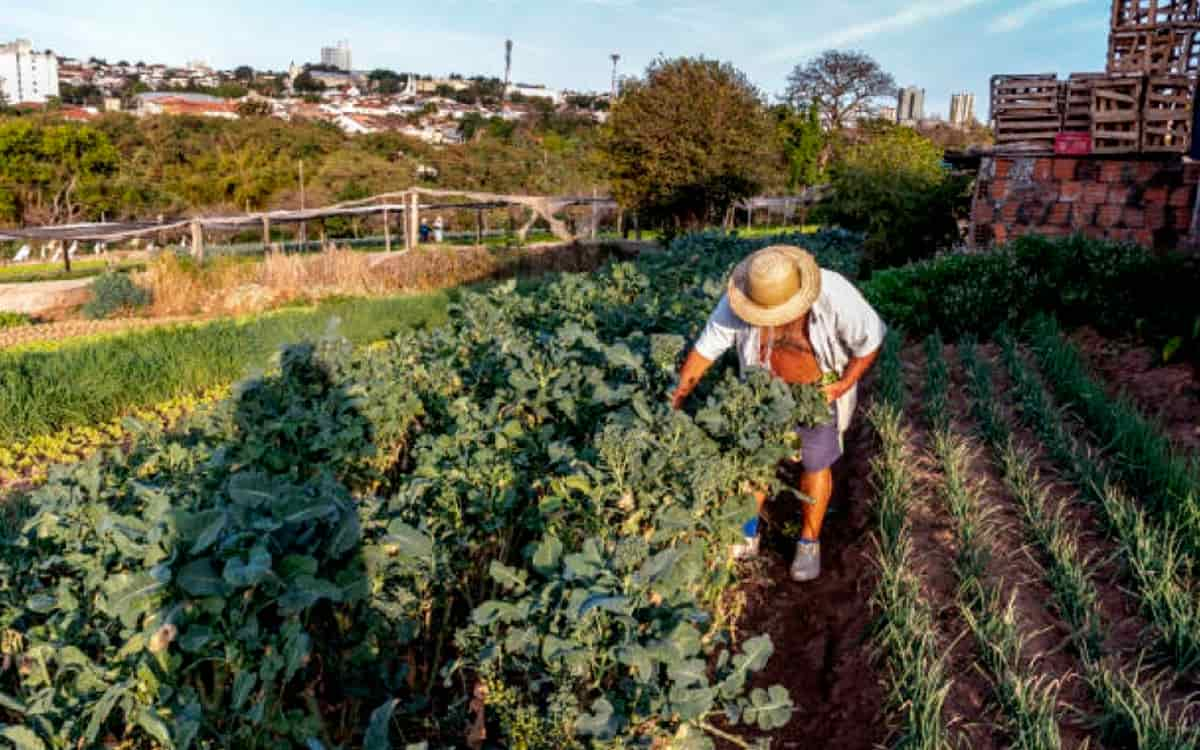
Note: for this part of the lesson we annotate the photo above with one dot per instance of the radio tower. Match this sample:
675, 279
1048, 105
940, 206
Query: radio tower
508, 44
616, 58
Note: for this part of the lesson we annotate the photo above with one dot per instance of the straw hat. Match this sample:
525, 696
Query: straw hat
774, 286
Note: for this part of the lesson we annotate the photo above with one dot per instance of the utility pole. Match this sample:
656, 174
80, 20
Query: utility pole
616, 58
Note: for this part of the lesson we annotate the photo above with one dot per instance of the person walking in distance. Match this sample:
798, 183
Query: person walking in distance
804, 324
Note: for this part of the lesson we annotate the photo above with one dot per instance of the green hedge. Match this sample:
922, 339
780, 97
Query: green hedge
1117, 288
46, 391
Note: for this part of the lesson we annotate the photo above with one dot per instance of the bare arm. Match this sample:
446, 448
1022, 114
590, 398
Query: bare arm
693, 369
855, 370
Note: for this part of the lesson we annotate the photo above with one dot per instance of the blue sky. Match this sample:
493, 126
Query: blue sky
941, 45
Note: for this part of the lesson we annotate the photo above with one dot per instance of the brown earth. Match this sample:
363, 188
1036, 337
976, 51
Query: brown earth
1169, 393
68, 329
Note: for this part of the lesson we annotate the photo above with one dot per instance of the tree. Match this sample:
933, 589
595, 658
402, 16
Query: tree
254, 108
306, 83
244, 73
843, 84
687, 141
386, 81
803, 140
895, 187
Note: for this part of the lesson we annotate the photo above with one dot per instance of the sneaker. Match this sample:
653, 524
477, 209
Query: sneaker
807, 565
746, 550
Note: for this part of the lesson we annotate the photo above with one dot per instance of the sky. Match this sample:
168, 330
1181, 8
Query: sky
943, 46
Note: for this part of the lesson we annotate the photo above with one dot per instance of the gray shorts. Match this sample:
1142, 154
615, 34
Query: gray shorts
820, 446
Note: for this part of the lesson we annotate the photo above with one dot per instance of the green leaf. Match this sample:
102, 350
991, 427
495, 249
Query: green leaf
250, 572
755, 653
692, 703
195, 638
638, 659
510, 579
547, 554
208, 526
243, 683
200, 578
251, 489
618, 605
22, 737
413, 544
9, 703
768, 709
1171, 348
689, 672
491, 611
149, 721
101, 710
377, 728
600, 722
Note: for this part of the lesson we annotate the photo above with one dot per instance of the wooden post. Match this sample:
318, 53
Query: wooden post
595, 212
66, 256
414, 218
479, 227
637, 228
266, 222
197, 241
387, 232
321, 224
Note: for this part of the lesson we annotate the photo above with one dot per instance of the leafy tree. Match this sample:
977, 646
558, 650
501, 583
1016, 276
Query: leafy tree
254, 108
54, 173
244, 73
306, 83
386, 81
844, 85
688, 140
803, 140
895, 188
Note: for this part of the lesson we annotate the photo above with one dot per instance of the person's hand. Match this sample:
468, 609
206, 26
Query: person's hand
834, 391
678, 398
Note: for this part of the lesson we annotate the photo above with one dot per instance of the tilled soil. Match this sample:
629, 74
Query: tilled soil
820, 629
69, 329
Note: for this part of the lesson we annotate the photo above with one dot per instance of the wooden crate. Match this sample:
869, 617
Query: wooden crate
1076, 94
1167, 114
1144, 15
1116, 115
1025, 96
1161, 51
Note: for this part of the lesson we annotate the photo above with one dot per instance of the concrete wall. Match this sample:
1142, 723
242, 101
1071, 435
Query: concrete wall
1150, 201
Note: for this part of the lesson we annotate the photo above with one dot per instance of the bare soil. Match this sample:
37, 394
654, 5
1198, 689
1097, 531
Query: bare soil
68, 329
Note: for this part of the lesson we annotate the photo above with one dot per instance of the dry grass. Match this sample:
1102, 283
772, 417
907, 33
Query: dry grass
236, 286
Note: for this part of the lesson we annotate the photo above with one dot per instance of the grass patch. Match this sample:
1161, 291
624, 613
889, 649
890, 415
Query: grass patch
27, 273
47, 391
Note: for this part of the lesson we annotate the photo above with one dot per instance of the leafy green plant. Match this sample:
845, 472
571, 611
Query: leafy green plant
13, 320
114, 294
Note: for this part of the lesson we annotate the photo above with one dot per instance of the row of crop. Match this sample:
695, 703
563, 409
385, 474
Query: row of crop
1028, 701
1131, 710
905, 637
516, 535
45, 392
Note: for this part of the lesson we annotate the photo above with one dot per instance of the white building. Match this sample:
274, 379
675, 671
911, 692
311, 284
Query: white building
910, 105
27, 76
337, 57
962, 109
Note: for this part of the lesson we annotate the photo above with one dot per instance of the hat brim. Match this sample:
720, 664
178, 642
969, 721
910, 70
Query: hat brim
790, 310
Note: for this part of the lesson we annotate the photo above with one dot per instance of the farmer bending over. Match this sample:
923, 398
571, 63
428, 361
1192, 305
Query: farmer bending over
784, 313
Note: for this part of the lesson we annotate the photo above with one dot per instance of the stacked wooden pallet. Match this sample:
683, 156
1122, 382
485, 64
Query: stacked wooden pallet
1076, 97
1167, 114
1116, 114
1026, 108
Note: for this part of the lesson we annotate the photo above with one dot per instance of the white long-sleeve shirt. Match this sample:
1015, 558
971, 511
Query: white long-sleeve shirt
842, 326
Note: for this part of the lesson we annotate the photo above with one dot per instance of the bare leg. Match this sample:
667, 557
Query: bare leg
818, 485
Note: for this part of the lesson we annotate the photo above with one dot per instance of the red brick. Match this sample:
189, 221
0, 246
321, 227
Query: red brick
1156, 218
983, 212
1053, 231
1155, 196
1120, 235
1144, 237
1146, 170
999, 190
1182, 218
1003, 166
1110, 171
1095, 192
1064, 169
1009, 211
1000, 234
1118, 195
1134, 218
1191, 172
1043, 170
1060, 215
1108, 216
1181, 197
1095, 233
1048, 192
1070, 191
1083, 215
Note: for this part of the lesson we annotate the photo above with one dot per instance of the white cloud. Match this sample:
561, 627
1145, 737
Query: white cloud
910, 15
1020, 17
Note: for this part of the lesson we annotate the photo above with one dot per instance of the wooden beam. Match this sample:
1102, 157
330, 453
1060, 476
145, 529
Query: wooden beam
197, 241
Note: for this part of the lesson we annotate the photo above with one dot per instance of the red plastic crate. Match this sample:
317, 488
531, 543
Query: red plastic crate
1073, 143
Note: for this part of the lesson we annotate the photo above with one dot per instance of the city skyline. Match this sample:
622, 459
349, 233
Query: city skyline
570, 44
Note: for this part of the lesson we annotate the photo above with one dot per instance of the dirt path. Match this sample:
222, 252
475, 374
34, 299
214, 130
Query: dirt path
820, 629
69, 329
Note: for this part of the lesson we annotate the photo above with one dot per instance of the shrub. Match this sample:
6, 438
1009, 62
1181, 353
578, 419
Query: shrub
1114, 287
13, 319
895, 189
114, 293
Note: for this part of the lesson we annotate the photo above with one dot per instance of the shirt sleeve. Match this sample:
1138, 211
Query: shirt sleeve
858, 324
720, 334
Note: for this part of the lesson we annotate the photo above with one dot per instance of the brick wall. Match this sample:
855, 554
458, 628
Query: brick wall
1149, 201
